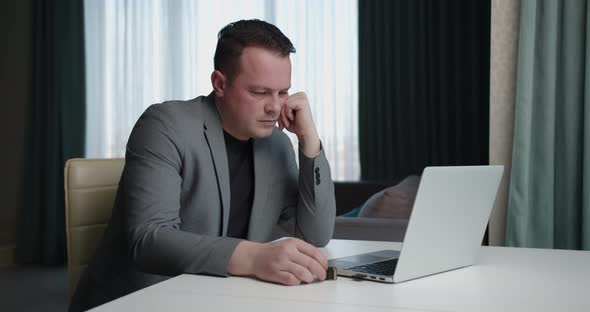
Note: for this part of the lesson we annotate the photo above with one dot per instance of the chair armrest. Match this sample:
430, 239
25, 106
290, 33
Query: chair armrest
377, 229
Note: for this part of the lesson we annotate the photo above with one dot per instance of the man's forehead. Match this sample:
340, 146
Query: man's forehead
266, 69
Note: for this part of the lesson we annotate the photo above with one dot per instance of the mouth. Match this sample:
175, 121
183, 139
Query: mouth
267, 123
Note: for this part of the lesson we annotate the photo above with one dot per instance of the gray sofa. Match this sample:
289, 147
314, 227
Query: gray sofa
353, 194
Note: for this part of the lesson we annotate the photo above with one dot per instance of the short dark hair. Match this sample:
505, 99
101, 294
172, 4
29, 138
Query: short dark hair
236, 36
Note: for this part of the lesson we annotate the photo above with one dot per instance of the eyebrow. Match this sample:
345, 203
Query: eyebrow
269, 89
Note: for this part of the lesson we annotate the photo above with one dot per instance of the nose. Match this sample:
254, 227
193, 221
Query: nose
274, 105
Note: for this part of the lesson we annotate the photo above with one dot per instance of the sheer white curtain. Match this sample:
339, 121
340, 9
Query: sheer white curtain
148, 51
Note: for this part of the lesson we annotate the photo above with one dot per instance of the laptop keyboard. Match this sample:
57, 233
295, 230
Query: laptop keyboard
386, 267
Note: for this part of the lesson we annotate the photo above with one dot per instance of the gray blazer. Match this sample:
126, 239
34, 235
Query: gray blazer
172, 206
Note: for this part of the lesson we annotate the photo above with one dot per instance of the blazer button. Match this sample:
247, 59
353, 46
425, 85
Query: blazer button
317, 170
317, 181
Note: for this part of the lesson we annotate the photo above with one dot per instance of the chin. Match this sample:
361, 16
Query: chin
264, 132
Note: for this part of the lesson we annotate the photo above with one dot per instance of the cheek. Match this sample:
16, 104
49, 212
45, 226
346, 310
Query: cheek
246, 110
252, 106
247, 107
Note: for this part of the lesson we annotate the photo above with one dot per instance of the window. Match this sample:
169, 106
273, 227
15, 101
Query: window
144, 52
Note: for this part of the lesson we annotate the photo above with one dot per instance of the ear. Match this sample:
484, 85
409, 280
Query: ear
218, 81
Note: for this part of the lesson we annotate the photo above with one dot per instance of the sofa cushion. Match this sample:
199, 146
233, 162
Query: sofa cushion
394, 202
353, 194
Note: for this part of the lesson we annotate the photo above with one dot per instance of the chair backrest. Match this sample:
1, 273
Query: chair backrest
90, 189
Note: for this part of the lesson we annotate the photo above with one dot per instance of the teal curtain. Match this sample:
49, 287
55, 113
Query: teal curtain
423, 85
56, 127
549, 203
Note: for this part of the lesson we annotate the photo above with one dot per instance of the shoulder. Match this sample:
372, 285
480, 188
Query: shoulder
170, 121
177, 117
176, 112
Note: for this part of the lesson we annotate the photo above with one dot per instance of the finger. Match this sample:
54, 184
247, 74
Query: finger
293, 105
283, 116
300, 272
296, 96
310, 264
290, 115
280, 123
286, 278
313, 252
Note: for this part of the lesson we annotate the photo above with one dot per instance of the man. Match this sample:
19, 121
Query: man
208, 184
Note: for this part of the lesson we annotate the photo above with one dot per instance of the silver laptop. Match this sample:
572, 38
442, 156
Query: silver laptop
448, 221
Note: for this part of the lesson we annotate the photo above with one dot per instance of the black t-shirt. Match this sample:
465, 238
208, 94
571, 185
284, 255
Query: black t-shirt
241, 178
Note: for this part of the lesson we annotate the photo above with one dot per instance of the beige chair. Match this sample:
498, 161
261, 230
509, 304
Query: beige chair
90, 188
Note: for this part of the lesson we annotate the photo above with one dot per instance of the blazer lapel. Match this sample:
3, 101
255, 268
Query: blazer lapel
216, 143
261, 177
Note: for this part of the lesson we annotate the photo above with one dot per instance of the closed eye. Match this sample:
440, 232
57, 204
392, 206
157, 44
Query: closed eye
259, 92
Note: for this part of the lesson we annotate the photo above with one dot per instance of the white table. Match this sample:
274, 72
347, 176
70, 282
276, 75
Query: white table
504, 279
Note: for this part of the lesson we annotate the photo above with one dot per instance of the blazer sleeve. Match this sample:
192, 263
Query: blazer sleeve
311, 212
150, 190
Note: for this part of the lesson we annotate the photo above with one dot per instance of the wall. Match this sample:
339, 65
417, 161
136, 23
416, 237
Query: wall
15, 29
503, 56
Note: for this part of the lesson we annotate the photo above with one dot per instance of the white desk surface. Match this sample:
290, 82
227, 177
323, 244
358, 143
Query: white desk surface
504, 279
